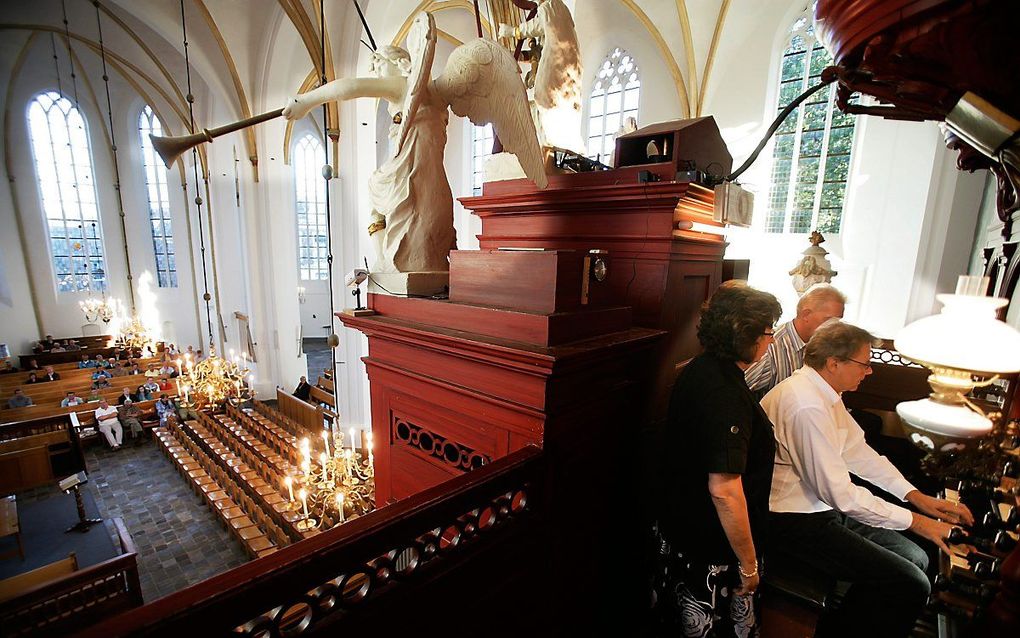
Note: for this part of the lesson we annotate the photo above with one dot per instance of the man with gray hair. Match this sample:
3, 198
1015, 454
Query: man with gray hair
819, 303
822, 521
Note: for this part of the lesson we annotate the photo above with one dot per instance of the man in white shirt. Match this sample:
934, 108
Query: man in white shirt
821, 520
819, 303
109, 424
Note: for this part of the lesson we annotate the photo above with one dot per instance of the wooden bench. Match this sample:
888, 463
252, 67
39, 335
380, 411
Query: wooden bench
235, 509
17, 585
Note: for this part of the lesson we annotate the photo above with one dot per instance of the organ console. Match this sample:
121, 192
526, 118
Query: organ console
981, 565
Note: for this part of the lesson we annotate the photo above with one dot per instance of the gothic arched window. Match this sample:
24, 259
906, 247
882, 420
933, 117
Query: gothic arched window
159, 201
811, 153
481, 148
67, 189
614, 98
310, 200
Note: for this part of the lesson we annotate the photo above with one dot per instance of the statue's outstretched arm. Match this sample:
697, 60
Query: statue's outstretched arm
388, 88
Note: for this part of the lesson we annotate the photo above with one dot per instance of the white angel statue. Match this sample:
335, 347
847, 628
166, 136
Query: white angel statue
557, 89
412, 206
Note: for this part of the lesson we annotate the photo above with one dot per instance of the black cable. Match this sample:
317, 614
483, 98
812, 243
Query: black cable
56, 62
70, 62
198, 196
113, 147
825, 81
327, 174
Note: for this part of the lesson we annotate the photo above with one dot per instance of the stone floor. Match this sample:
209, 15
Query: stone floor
179, 540
318, 354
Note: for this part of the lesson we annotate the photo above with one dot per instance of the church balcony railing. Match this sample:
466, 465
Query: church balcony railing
427, 559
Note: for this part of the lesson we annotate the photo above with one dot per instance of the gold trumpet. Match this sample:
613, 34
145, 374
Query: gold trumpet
170, 148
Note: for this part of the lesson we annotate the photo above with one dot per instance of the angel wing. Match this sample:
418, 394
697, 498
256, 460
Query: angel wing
421, 44
483, 83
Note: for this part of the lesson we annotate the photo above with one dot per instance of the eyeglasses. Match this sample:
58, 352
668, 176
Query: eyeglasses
768, 333
860, 363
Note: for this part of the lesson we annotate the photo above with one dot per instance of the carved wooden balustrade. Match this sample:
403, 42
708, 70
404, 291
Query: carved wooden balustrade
449, 554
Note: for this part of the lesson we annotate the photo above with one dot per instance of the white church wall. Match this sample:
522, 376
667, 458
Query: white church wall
892, 191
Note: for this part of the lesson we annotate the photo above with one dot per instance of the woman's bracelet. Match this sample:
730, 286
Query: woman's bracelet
750, 574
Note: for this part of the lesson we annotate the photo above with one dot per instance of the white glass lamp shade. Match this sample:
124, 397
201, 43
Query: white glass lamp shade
951, 421
966, 335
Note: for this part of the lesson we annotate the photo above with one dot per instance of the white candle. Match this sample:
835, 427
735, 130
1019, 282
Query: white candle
304, 501
322, 459
368, 446
351, 431
289, 482
325, 440
340, 505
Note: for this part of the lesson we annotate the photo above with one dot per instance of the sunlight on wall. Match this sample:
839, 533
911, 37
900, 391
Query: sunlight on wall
147, 311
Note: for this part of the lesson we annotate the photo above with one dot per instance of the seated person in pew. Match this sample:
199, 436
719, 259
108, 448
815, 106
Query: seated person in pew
71, 399
19, 400
72, 346
86, 362
151, 388
118, 370
50, 374
58, 347
99, 362
821, 520
109, 424
164, 409
717, 461
33, 365
142, 394
125, 395
38, 348
101, 373
134, 368
130, 416
32, 378
303, 390
163, 385
48, 342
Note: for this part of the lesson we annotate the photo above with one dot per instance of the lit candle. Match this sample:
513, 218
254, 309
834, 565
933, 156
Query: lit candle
178, 366
303, 495
352, 440
368, 446
237, 384
289, 482
340, 505
322, 459
325, 440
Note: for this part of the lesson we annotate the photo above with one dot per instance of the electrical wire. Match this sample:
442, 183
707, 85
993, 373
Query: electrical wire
113, 148
327, 175
198, 196
825, 81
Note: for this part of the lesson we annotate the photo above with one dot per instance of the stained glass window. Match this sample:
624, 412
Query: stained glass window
614, 98
310, 195
63, 162
811, 152
159, 202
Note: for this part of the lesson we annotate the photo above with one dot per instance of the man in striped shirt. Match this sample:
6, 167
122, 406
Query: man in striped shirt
819, 303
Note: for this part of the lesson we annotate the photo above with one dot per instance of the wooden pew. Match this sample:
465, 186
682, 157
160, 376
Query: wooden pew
18, 379
326, 384
14, 586
78, 599
37, 452
235, 509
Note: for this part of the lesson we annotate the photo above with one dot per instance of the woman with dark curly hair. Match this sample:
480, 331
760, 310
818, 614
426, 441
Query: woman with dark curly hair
718, 470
